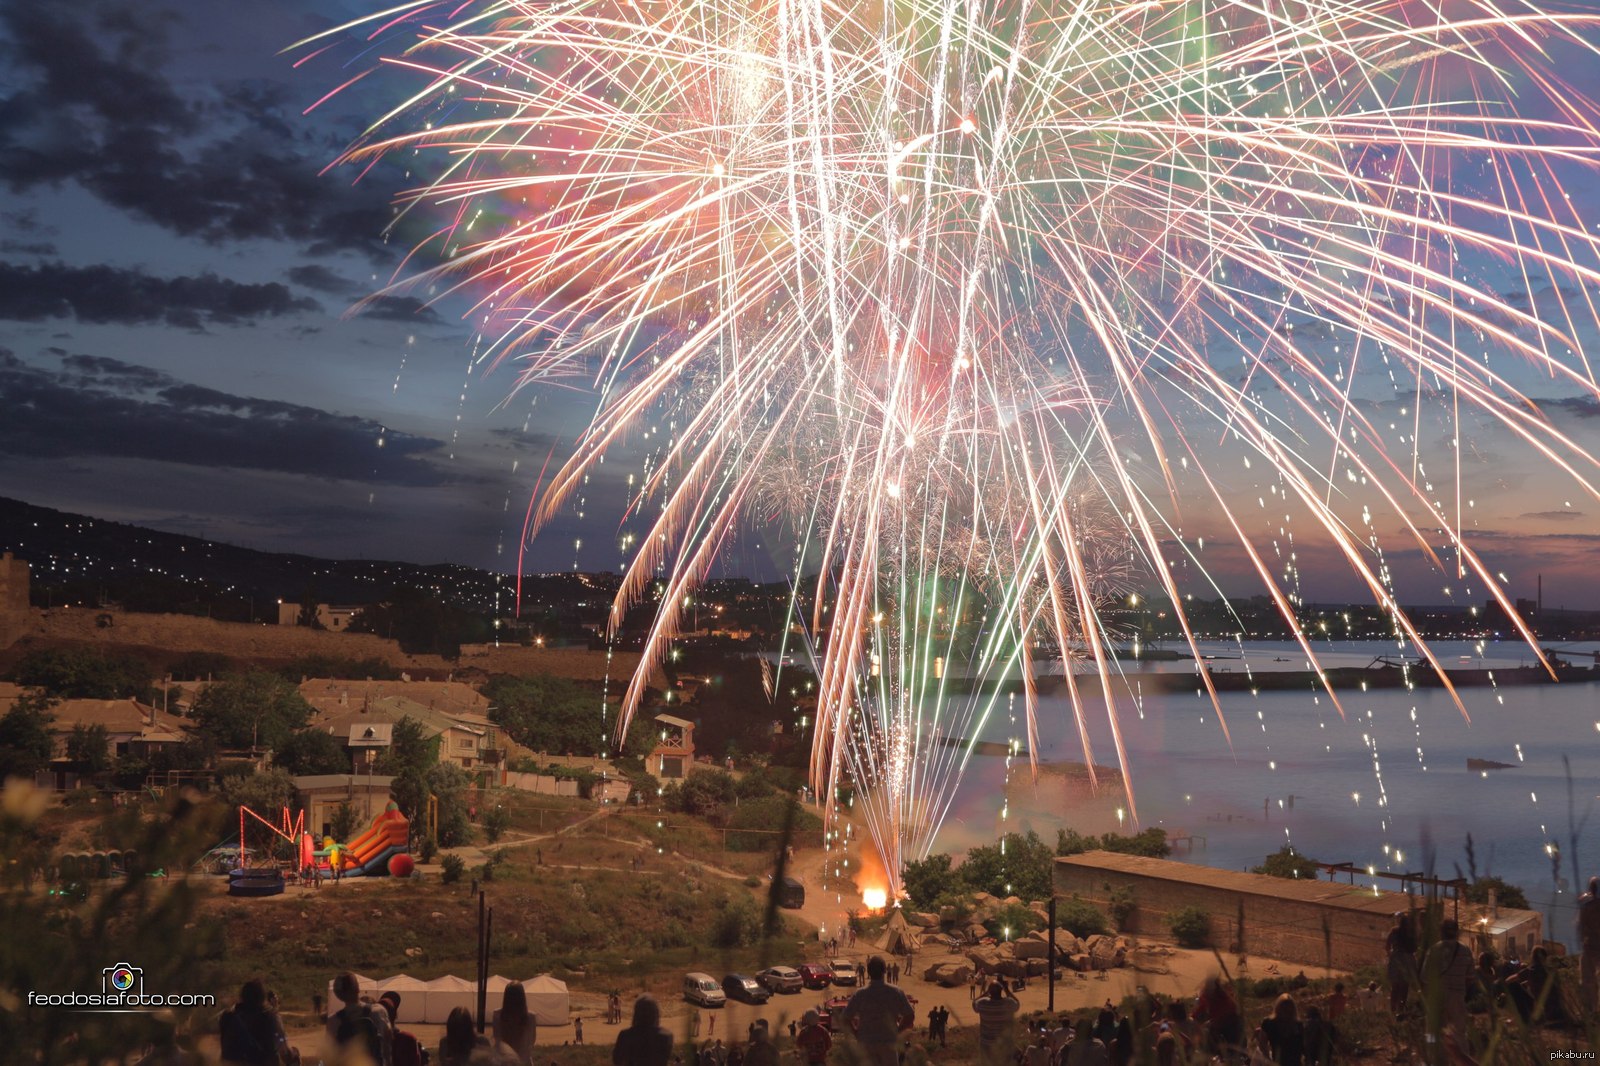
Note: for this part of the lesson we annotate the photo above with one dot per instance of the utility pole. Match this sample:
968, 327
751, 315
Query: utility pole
1050, 996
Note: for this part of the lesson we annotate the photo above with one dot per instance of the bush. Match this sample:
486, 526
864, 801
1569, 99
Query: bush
490, 862
1016, 918
738, 924
1080, 918
780, 821
454, 867
495, 822
1120, 906
1191, 927
427, 850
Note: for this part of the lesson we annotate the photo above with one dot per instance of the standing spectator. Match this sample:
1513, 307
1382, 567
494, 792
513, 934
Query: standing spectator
996, 1013
1400, 946
1336, 1004
251, 1032
1535, 992
460, 1039
1319, 1038
1167, 1049
513, 1025
1448, 969
577, 1029
1085, 1050
1217, 1011
761, 1051
1037, 1053
1281, 1036
405, 1048
813, 1040
879, 1013
359, 1022
1589, 941
644, 1043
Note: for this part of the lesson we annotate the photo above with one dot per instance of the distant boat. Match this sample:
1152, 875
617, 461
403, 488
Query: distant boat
1489, 764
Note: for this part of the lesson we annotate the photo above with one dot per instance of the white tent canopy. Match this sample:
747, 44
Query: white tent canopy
430, 1002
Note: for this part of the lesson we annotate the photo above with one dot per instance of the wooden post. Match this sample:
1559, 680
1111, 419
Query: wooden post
483, 958
1050, 1003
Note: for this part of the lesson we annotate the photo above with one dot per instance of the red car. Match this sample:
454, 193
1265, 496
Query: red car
815, 975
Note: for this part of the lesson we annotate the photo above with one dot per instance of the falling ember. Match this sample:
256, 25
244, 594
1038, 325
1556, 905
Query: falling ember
959, 362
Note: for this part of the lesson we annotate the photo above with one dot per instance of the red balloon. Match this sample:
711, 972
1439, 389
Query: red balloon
401, 865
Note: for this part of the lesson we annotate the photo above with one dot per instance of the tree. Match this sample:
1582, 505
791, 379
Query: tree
308, 616
1505, 894
344, 822
704, 791
252, 709
411, 750
449, 783
200, 666
79, 674
89, 748
925, 880
265, 793
26, 743
552, 714
1286, 862
311, 751
1019, 865
422, 624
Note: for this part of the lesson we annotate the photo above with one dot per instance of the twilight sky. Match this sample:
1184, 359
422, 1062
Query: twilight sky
177, 347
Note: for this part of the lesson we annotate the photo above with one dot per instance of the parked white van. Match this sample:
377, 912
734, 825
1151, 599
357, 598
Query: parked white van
703, 989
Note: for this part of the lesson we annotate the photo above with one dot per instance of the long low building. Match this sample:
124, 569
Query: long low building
1321, 923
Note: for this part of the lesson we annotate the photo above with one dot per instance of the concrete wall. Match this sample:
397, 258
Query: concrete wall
541, 784
1287, 929
14, 614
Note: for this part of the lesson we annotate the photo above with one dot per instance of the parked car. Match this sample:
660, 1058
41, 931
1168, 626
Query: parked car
844, 972
780, 979
815, 975
702, 989
744, 989
830, 1014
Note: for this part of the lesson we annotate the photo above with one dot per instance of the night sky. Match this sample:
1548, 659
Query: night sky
179, 349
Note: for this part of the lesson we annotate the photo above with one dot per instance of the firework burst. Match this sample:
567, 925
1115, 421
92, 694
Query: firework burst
972, 296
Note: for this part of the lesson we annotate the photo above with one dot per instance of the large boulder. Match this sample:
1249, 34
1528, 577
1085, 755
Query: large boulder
1041, 912
1081, 962
1011, 968
984, 958
1037, 967
1067, 944
949, 974
922, 919
1029, 948
976, 932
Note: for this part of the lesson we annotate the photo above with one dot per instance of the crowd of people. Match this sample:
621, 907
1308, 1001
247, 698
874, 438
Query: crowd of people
1437, 988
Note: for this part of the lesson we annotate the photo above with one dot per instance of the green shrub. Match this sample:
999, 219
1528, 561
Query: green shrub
427, 850
1016, 918
454, 867
1191, 927
1080, 917
495, 822
1119, 905
738, 924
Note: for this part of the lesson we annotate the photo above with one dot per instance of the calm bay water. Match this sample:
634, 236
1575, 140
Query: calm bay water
1392, 772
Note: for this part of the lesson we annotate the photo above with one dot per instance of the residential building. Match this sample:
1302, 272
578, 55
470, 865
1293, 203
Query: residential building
320, 795
335, 617
132, 729
470, 741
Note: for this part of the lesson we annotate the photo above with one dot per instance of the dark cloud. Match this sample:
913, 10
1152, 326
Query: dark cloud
320, 278
1554, 516
85, 103
103, 294
100, 407
397, 309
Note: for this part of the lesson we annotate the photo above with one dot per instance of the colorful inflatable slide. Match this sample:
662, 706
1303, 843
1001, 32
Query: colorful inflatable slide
370, 852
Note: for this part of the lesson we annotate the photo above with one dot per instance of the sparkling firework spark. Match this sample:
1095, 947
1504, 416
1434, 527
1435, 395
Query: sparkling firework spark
970, 297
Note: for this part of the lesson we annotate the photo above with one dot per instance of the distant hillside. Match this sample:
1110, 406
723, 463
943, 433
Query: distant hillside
78, 560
